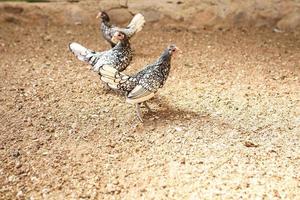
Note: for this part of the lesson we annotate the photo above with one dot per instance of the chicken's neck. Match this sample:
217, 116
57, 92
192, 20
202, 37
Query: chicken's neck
106, 23
164, 59
122, 44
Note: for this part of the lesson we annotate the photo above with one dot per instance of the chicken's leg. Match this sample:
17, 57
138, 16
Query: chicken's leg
138, 111
147, 106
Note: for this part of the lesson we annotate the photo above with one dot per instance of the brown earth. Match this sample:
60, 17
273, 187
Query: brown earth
225, 126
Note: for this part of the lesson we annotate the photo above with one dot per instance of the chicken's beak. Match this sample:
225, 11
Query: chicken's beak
98, 16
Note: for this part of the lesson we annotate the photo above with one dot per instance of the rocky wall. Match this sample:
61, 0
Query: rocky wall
191, 14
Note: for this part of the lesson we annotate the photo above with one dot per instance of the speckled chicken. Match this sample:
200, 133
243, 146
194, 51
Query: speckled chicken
142, 86
108, 30
119, 57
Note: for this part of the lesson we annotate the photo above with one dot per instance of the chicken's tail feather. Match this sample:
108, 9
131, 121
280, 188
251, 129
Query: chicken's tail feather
112, 77
83, 53
137, 23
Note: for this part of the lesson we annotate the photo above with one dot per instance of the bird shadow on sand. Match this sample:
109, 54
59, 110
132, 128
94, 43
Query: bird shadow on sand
163, 113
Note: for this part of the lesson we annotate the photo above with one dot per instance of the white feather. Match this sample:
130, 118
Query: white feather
79, 51
111, 76
108, 80
108, 71
137, 23
138, 95
113, 86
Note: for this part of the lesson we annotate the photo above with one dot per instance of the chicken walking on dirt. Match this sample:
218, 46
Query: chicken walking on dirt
119, 57
142, 86
108, 30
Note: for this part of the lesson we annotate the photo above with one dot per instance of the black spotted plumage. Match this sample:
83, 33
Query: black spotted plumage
120, 56
108, 30
142, 86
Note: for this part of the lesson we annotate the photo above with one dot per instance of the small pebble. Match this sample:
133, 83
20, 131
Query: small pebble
250, 144
20, 194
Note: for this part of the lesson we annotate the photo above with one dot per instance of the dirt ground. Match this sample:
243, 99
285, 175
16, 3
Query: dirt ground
225, 126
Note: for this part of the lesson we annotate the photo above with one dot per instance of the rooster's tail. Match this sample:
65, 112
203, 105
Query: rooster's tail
79, 51
112, 77
136, 23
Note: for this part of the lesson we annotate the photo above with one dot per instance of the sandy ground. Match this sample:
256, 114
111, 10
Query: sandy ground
225, 126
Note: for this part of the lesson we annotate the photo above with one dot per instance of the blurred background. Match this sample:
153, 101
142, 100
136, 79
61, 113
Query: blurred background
192, 14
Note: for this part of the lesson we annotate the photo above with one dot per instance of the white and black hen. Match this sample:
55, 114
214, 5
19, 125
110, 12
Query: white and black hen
119, 57
108, 30
142, 86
